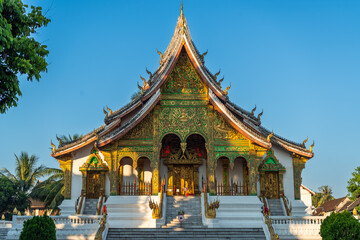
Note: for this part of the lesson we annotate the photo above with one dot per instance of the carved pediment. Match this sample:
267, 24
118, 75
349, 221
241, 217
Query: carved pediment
178, 157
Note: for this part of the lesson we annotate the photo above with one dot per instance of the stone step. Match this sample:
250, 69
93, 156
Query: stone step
181, 233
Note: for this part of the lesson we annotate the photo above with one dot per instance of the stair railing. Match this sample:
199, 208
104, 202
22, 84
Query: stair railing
99, 204
210, 208
266, 212
99, 233
157, 208
78, 204
287, 204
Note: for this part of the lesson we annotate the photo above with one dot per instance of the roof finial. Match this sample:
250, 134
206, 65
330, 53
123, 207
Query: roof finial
182, 18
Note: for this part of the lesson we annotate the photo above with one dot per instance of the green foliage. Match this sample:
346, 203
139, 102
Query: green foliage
135, 95
353, 186
11, 196
26, 171
20, 53
324, 195
340, 226
38, 228
51, 191
316, 199
69, 138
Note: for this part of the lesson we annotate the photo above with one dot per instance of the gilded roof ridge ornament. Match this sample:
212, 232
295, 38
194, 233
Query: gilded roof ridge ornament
182, 18
219, 82
217, 74
227, 89
148, 72
269, 136
161, 55
96, 135
203, 55
59, 139
110, 111
303, 143
260, 114
106, 113
311, 147
53, 146
253, 110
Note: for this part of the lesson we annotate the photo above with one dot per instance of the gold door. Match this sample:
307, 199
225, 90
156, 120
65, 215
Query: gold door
272, 184
93, 185
184, 180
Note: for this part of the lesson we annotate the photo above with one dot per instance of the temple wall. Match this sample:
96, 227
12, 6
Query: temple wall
79, 158
285, 159
202, 173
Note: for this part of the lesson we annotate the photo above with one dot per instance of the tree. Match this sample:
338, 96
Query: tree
326, 194
339, 226
11, 196
69, 138
20, 53
26, 172
353, 186
38, 227
135, 95
315, 199
51, 191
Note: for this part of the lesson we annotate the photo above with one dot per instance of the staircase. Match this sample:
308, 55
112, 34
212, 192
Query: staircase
191, 207
90, 206
275, 207
3, 233
186, 233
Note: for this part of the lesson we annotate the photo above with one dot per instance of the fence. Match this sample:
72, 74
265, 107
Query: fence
136, 189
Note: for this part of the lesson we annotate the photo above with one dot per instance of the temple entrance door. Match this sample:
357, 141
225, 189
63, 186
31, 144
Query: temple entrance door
272, 184
93, 184
183, 179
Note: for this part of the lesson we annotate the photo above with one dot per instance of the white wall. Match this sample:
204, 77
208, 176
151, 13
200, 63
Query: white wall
284, 157
305, 197
79, 158
236, 174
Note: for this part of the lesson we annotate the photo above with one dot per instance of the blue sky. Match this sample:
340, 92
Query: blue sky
297, 60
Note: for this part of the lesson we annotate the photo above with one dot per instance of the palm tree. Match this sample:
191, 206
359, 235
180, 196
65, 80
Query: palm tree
26, 171
69, 138
50, 191
326, 194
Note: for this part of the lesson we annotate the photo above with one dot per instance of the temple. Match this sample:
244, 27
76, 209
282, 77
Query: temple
182, 139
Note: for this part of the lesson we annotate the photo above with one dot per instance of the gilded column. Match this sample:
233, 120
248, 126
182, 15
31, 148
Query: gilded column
84, 178
156, 153
255, 158
66, 166
210, 168
298, 166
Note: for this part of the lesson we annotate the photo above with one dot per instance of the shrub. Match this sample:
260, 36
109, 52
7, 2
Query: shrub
340, 226
38, 228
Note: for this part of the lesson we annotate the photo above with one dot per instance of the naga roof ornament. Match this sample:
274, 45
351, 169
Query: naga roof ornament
269, 136
150, 74
219, 82
202, 57
260, 114
217, 74
106, 113
311, 147
253, 110
227, 89
303, 143
53, 146
161, 55
59, 139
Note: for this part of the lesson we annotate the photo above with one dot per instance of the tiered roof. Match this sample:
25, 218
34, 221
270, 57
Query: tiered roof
121, 121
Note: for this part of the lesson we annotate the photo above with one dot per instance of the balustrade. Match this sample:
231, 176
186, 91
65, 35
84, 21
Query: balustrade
135, 189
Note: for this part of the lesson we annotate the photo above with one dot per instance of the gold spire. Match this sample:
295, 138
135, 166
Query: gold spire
182, 18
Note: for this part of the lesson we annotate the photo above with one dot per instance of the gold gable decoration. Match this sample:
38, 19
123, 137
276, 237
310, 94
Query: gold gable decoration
94, 163
184, 79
